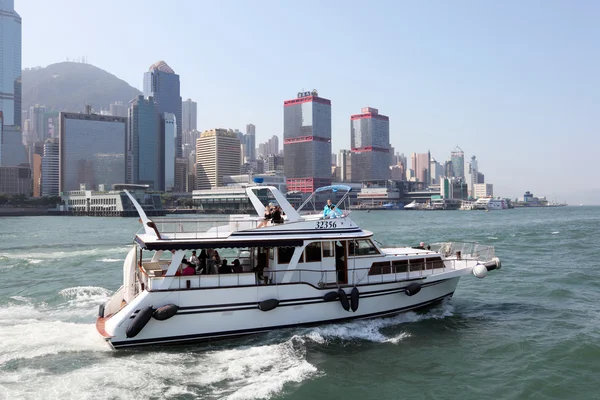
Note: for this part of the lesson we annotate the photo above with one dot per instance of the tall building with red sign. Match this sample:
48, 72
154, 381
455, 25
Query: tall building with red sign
370, 145
307, 142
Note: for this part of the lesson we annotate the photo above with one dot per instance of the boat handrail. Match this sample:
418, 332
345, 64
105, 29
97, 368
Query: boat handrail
464, 250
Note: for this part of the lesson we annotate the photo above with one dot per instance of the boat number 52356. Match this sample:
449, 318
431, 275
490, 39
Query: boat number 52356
326, 225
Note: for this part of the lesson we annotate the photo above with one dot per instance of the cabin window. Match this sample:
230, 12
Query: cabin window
312, 252
380, 268
400, 266
417, 264
435, 263
328, 249
284, 254
362, 248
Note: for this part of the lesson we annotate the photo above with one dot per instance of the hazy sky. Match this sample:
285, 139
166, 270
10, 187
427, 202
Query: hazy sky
516, 83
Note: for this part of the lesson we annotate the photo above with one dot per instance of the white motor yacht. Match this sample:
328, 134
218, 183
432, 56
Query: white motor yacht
488, 203
306, 269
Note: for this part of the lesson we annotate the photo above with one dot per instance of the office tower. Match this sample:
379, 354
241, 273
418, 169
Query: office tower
420, 165
217, 154
307, 142
10, 64
162, 83
471, 175
91, 150
145, 147
118, 109
344, 166
449, 169
169, 134
50, 168
457, 157
370, 142
274, 164
480, 177
189, 115
12, 151
250, 142
15, 179
37, 128
436, 170
273, 145
36, 172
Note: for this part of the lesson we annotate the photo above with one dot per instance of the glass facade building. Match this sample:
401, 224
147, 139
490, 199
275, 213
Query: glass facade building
370, 145
162, 83
91, 150
50, 168
10, 63
145, 144
307, 142
169, 133
189, 121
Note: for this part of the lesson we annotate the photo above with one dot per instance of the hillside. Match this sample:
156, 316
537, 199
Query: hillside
68, 86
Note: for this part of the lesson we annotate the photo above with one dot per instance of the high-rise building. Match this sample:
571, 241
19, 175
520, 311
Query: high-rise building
118, 109
370, 145
189, 115
145, 147
420, 165
483, 190
436, 170
457, 157
273, 145
471, 175
10, 63
169, 133
50, 168
91, 150
12, 151
15, 179
217, 154
37, 128
250, 142
162, 83
344, 166
36, 172
250, 129
307, 142
274, 164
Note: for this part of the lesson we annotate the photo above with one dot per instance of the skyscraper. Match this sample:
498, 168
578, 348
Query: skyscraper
12, 151
457, 157
91, 150
370, 143
145, 144
307, 142
10, 63
162, 83
38, 125
250, 142
50, 168
217, 154
189, 111
169, 133
420, 165
118, 109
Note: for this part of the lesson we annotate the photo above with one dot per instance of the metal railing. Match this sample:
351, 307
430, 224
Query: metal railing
464, 251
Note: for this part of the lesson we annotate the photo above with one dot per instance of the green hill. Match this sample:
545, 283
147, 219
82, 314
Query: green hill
69, 86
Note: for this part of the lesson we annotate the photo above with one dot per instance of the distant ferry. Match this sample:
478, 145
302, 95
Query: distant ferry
488, 203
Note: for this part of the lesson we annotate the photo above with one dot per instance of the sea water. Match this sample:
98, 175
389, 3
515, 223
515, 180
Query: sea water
530, 330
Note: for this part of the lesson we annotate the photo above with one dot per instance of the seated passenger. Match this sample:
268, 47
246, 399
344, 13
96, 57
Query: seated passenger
327, 208
267, 216
334, 212
189, 269
224, 268
277, 217
237, 267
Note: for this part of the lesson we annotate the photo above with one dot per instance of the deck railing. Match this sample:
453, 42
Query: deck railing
464, 250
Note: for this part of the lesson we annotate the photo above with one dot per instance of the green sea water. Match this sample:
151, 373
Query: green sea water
528, 331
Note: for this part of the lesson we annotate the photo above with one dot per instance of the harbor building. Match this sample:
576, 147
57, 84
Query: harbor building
370, 145
16, 180
50, 168
10, 64
91, 150
218, 153
189, 116
307, 142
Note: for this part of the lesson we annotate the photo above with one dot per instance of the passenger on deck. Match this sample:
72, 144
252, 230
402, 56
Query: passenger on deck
189, 269
202, 262
237, 267
277, 216
334, 212
421, 246
194, 259
327, 208
267, 216
225, 269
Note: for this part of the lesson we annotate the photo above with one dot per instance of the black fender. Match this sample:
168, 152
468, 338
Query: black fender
165, 312
268, 305
139, 322
413, 289
331, 296
354, 295
344, 299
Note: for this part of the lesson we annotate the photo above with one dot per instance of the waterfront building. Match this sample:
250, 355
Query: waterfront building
471, 173
112, 203
15, 179
12, 150
457, 158
37, 127
307, 142
218, 154
274, 164
169, 138
344, 166
370, 145
91, 150
162, 83
10, 64
50, 168
437, 171
145, 164
250, 142
36, 172
483, 190
189, 115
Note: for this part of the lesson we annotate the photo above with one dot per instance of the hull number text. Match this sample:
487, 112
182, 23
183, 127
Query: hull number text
326, 225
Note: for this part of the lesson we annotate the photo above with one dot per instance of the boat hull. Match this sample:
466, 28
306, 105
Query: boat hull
204, 314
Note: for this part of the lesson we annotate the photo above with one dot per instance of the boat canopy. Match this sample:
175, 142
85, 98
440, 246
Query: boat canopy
332, 188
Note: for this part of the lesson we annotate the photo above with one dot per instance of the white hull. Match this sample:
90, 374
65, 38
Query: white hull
218, 313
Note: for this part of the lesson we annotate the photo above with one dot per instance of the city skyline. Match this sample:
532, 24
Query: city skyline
516, 92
